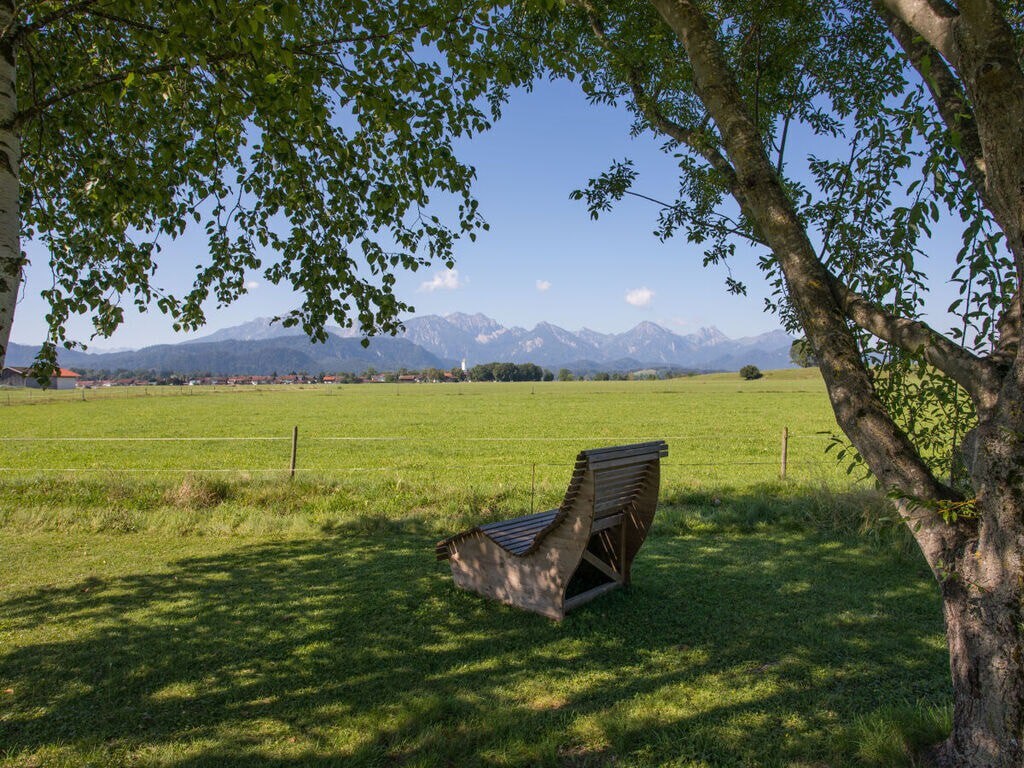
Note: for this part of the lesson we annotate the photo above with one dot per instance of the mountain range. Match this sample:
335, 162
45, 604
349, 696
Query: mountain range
262, 347
479, 338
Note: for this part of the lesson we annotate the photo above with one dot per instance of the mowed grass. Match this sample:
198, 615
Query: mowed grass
242, 619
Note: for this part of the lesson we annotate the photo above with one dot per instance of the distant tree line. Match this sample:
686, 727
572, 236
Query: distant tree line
509, 372
494, 371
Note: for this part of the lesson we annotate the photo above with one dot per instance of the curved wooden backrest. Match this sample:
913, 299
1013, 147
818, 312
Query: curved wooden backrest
603, 519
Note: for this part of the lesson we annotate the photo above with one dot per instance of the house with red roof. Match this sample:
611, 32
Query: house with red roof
13, 376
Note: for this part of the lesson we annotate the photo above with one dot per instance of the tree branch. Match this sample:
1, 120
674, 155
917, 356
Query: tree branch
860, 412
782, 143
984, 15
23, 31
946, 92
649, 107
951, 101
933, 20
976, 375
40, 107
140, 25
725, 224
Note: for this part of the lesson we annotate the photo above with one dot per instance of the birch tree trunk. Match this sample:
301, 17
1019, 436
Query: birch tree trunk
10, 157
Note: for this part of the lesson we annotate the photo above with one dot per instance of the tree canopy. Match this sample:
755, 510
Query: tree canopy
311, 143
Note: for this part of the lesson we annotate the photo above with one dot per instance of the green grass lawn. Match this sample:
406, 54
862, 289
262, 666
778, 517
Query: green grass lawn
190, 619
774, 648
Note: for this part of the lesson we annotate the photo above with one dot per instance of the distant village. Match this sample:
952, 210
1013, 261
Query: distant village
65, 378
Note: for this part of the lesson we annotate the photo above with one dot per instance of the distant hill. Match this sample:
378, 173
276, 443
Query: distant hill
260, 347
256, 357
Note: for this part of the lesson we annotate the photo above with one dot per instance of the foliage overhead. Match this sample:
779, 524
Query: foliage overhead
312, 143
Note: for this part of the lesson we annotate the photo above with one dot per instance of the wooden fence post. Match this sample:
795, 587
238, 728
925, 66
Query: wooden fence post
295, 448
785, 452
533, 487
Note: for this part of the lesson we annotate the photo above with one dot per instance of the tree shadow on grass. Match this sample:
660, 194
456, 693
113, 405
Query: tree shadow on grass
739, 649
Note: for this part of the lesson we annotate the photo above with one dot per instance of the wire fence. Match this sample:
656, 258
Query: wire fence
416, 454
14, 396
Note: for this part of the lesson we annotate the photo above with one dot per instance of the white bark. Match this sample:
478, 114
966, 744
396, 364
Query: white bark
10, 158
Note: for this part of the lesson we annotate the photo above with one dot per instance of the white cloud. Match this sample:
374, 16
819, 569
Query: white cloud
252, 284
639, 297
543, 285
445, 280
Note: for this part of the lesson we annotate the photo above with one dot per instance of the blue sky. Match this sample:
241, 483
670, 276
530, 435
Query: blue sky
543, 258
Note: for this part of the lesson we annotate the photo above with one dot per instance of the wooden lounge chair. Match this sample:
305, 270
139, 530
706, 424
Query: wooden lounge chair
554, 561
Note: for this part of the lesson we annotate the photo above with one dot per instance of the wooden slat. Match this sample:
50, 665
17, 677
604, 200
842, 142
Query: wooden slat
518, 519
623, 496
613, 477
512, 540
505, 526
628, 485
601, 565
653, 450
615, 508
518, 542
624, 461
620, 488
522, 533
636, 486
638, 467
590, 594
632, 447
618, 499
520, 528
606, 522
634, 457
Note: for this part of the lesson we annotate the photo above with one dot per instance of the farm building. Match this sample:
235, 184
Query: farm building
24, 377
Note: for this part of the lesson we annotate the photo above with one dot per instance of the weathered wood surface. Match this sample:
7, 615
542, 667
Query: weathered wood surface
530, 561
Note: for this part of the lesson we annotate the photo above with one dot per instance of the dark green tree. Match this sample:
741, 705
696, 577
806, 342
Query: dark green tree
529, 372
482, 372
750, 372
505, 372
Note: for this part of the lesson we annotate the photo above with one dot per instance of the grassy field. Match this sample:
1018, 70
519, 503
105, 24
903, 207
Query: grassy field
390, 452
155, 614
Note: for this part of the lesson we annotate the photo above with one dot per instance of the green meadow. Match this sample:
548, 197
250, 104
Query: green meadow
393, 452
184, 602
